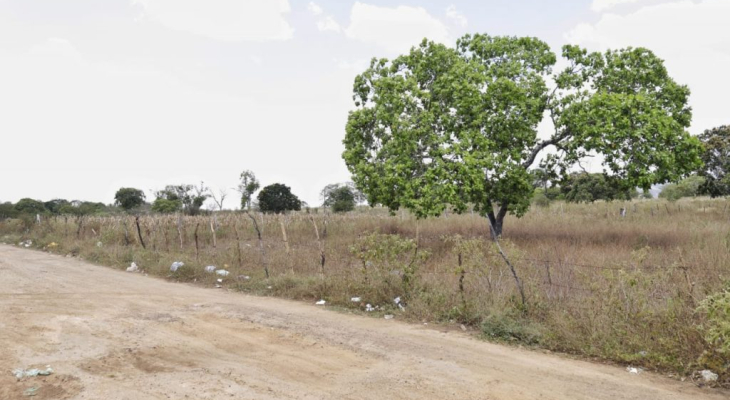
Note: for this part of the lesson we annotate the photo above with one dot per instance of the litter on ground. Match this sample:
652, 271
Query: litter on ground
355, 299
320, 303
222, 272
20, 373
708, 375
389, 316
133, 267
177, 264
210, 269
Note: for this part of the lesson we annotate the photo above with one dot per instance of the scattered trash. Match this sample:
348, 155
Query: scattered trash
243, 277
220, 280
133, 267
52, 245
269, 287
218, 286
389, 316
20, 373
643, 353
210, 269
633, 370
355, 299
397, 301
708, 375
369, 308
222, 272
99, 244
177, 264
319, 303
463, 327
31, 391
26, 243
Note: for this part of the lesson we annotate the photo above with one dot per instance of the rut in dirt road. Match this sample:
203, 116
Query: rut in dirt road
115, 335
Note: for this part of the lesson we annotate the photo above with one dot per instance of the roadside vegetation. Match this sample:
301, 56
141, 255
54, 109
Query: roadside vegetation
648, 290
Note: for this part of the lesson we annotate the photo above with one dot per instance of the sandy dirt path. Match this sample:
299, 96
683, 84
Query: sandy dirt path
114, 335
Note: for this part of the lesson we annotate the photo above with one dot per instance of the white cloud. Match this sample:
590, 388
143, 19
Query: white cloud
603, 5
328, 23
395, 29
324, 22
693, 39
314, 8
225, 20
458, 17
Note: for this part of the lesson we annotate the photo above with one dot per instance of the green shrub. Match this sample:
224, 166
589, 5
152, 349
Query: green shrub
717, 328
505, 327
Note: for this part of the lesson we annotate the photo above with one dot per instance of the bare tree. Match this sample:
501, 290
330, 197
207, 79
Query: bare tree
222, 194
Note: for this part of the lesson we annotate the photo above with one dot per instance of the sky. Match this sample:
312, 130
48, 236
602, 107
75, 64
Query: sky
98, 95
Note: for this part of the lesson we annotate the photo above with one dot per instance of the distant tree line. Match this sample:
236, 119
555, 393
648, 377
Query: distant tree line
712, 179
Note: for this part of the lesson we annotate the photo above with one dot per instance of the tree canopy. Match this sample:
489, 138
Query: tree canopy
30, 206
278, 198
448, 127
688, 187
716, 157
129, 198
339, 197
186, 198
586, 188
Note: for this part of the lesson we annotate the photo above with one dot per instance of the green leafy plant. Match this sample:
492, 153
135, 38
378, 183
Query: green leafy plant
452, 127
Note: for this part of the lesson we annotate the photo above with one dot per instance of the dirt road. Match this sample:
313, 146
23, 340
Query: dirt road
115, 335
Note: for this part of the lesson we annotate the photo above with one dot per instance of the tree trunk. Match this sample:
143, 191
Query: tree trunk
496, 222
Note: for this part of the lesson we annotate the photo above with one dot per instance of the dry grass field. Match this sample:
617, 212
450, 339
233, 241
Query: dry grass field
624, 289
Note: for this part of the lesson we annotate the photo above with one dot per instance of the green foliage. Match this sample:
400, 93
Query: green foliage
716, 156
129, 198
7, 210
385, 258
341, 198
540, 199
188, 198
587, 188
248, 186
30, 206
441, 126
56, 205
717, 328
689, 187
78, 208
502, 326
278, 198
165, 206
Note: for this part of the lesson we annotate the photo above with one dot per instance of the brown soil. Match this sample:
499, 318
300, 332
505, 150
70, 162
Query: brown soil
114, 335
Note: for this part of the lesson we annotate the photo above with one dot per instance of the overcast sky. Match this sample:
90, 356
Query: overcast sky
96, 95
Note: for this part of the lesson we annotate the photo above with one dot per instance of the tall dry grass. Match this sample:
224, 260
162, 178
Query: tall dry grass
625, 289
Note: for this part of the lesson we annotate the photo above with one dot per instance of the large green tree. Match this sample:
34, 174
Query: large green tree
278, 198
716, 156
30, 206
441, 126
129, 198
